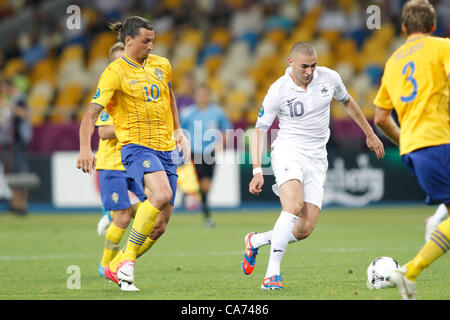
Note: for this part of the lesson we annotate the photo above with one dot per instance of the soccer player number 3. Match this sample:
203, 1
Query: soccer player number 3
410, 78
153, 94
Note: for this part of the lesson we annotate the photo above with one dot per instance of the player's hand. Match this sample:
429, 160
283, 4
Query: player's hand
183, 144
86, 161
374, 144
255, 186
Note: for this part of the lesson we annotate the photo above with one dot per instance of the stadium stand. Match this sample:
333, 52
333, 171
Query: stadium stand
238, 47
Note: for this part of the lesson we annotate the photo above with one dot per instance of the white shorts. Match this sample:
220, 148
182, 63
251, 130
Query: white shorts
288, 164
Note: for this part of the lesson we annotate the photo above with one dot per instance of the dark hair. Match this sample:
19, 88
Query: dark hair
130, 27
418, 16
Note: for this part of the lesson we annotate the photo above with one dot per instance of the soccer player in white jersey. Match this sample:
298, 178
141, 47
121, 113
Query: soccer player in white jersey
301, 100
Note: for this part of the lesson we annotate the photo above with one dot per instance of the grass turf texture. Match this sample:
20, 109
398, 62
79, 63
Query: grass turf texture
193, 262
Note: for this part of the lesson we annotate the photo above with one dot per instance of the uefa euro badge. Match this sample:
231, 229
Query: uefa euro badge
97, 94
115, 197
146, 164
159, 74
104, 116
261, 112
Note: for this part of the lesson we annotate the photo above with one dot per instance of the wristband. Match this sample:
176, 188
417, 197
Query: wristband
257, 170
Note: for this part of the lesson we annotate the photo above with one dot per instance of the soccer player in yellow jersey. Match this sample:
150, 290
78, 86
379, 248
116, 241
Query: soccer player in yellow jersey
416, 84
148, 130
114, 182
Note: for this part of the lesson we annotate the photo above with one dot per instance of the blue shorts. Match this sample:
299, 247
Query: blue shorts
431, 168
139, 160
114, 186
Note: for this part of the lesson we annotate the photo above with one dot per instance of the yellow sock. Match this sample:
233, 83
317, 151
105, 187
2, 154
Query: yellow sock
145, 246
438, 244
143, 224
112, 242
148, 243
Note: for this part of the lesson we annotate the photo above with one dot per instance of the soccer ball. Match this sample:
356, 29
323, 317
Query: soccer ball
378, 273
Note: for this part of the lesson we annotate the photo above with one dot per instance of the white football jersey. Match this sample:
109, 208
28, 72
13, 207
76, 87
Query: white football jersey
304, 115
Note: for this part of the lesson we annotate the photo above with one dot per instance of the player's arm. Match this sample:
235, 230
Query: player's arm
386, 123
354, 111
106, 132
383, 109
269, 110
86, 159
183, 143
256, 149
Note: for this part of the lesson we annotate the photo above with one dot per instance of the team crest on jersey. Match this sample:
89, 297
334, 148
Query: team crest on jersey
146, 164
325, 92
115, 197
159, 74
97, 94
261, 111
104, 116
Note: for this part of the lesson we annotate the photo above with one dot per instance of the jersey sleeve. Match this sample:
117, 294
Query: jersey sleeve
104, 119
383, 99
340, 92
107, 85
269, 109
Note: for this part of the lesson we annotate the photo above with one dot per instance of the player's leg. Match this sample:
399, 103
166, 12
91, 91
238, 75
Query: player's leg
113, 236
291, 197
153, 168
433, 221
432, 172
306, 221
161, 221
158, 230
405, 277
159, 193
204, 173
114, 194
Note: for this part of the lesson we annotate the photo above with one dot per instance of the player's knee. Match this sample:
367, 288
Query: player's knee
293, 206
162, 196
122, 218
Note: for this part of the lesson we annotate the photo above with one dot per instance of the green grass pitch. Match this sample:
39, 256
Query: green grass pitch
192, 262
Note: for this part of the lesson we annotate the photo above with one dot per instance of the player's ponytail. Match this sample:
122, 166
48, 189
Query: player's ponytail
130, 27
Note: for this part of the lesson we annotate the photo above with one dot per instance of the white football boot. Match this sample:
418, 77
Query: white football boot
125, 276
406, 287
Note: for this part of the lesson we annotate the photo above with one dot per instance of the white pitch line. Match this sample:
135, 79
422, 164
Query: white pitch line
188, 254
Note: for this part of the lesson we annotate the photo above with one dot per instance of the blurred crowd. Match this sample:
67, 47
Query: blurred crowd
238, 47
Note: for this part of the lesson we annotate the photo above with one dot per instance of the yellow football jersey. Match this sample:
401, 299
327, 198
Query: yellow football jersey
142, 113
415, 84
108, 154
